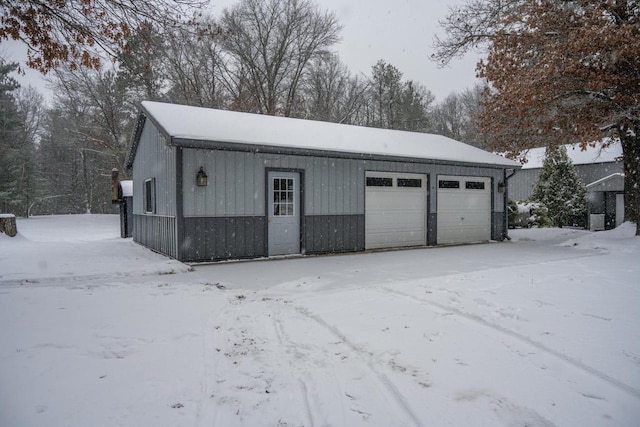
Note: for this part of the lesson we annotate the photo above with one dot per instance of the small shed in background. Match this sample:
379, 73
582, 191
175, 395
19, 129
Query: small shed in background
599, 169
592, 164
125, 195
122, 194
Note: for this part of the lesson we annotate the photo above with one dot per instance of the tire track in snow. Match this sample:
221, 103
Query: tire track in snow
205, 416
307, 404
386, 383
277, 326
477, 320
206, 410
285, 342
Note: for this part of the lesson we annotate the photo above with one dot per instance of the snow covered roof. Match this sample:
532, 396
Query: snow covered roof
188, 123
127, 188
535, 156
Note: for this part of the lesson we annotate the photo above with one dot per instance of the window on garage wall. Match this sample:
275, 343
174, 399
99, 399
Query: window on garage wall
150, 196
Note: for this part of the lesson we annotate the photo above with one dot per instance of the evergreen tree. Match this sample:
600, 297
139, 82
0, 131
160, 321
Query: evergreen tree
560, 189
395, 103
19, 184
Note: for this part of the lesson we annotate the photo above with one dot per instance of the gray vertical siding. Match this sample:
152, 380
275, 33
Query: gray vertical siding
332, 186
226, 219
155, 159
236, 183
522, 183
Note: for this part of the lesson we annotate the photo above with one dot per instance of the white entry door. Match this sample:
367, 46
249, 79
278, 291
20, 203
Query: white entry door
395, 210
464, 209
283, 213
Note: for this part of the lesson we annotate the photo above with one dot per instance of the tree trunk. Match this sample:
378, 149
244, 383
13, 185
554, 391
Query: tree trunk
631, 159
8, 225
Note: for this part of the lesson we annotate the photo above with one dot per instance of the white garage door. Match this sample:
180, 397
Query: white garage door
395, 210
464, 209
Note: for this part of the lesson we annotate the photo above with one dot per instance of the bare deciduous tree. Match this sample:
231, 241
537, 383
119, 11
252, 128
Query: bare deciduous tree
195, 68
79, 33
331, 94
89, 125
270, 44
31, 104
18, 172
448, 117
456, 116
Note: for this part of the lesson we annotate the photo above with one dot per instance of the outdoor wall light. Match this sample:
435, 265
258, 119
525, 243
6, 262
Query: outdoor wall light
501, 187
201, 178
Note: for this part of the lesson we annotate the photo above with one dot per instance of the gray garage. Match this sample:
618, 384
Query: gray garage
212, 184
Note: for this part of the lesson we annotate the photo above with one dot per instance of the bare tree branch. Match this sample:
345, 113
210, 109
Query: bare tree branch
81, 33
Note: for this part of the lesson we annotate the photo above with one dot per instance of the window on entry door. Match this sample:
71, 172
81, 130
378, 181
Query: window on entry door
283, 204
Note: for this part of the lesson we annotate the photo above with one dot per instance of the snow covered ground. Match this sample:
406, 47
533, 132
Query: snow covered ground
98, 331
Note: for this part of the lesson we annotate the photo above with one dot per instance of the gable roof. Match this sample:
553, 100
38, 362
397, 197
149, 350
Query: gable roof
535, 156
186, 125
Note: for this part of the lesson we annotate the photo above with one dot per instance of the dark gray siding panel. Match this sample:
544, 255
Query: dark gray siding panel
597, 204
333, 233
497, 226
432, 224
214, 238
593, 172
157, 233
610, 210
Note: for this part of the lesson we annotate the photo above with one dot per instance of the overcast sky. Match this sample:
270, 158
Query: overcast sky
400, 32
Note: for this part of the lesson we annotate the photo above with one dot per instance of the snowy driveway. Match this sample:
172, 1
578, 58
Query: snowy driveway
541, 331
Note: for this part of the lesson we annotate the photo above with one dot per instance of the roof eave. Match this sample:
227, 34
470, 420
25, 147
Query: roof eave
134, 141
143, 116
273, 149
